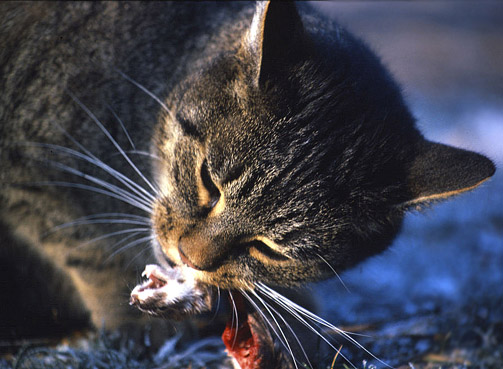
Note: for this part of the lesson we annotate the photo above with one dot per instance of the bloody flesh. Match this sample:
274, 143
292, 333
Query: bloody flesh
241, 341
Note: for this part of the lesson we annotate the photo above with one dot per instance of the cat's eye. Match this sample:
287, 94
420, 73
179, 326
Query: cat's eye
210, 186
187, 126
233, 174
265, 253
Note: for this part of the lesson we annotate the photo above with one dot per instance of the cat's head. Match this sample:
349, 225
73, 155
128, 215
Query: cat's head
291, 155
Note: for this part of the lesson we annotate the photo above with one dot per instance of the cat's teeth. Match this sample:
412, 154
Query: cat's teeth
149, 270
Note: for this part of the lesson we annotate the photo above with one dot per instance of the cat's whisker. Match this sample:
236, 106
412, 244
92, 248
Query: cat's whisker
146, 248
333, 270
92, 189
270, 309
128, 246
102, 217
90, 157
112, 234
148, 92
285, 340
117, 215
122, 126
304, 322
306, 313
98, 163
218, 305
263, 316
105, 184
235, 313
112, 140
96, 221
288, 326
143, 153
124, 239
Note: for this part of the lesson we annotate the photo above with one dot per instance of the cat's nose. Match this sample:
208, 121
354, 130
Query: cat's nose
185, 259
200, 253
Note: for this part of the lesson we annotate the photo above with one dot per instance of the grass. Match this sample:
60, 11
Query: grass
468, 337
100, 351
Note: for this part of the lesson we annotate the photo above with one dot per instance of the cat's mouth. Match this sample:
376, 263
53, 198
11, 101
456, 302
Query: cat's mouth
173, 293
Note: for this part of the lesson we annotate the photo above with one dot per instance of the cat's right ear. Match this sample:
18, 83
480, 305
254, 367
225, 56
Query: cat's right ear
440, 171
275, 41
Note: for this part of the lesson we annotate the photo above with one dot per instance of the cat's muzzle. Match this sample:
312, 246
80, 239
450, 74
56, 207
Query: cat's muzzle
171, 293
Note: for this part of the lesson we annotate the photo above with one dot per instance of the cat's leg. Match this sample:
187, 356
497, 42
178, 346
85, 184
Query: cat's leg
37, 298
44, 296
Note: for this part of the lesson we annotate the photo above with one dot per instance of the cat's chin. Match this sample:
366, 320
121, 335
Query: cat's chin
171, 293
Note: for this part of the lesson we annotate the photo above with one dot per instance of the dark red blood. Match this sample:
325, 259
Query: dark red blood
242, 343
156, 282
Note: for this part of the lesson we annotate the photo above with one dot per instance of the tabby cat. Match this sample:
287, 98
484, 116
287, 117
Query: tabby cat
258, 146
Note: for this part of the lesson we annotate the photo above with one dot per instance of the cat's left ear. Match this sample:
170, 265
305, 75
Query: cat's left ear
275, 41
440, 171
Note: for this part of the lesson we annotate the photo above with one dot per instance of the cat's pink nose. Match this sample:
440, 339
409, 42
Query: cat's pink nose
201, 252
185, 259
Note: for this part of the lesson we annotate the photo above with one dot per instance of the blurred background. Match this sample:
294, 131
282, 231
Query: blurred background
448, 57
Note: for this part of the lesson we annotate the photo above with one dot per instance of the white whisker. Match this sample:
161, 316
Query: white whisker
146, 248
264, 318
304, 322
148, 92
98, 163
91, 158
117, 215
124, 239
218, 305
98, 221
333, 270
277, 325
235, 311
92, 189
278, 297
112, 140
122, 126
287, 325
112, 234
143, 153
128, 246
105, 184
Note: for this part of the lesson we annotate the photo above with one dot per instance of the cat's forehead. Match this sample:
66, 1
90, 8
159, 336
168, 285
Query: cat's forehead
217, 102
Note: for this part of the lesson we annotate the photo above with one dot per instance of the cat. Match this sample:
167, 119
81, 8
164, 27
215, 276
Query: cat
258, 146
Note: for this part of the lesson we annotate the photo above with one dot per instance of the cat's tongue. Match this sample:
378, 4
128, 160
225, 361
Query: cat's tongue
246, 339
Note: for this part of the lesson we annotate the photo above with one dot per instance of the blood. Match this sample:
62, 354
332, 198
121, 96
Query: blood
240, 339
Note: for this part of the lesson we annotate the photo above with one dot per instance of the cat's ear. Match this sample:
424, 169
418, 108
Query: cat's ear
440, 171
275, 40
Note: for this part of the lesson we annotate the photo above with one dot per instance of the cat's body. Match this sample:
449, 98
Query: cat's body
51, 49
279, 149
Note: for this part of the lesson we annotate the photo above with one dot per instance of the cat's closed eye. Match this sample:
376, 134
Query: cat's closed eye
233, 174
212, 193
187, 126
265, 252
